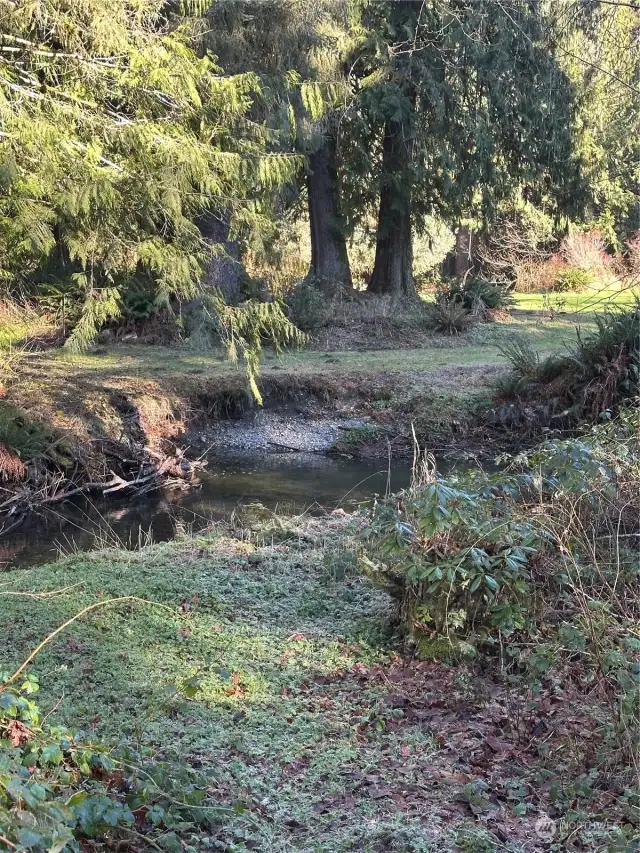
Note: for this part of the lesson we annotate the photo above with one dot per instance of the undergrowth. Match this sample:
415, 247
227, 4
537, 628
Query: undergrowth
591, 379
32, 440
61, 791
274, 705
536, 567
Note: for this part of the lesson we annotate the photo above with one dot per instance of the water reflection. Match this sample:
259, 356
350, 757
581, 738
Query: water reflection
288, 482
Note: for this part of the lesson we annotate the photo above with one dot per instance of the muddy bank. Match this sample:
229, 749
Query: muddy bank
124, 425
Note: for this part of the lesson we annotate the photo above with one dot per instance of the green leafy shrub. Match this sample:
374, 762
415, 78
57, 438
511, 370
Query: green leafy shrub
608, 359
537, 559
60, 793
457, 559
477, 297
141, 301
523, 357
572, 280
511, 386
480, 296
50, 793
588, 503
528, 365
307, 305
601, 372
62, 298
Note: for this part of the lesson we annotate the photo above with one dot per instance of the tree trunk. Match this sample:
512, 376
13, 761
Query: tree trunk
329, 258
466, 244
392, 270
223, 268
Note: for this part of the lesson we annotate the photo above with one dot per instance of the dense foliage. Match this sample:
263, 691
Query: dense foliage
592, 380
116, 138
481, 561
121, 136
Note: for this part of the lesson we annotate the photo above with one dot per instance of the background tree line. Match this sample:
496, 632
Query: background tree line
145, 145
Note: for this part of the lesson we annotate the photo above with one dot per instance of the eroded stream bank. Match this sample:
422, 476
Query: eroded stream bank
137, 427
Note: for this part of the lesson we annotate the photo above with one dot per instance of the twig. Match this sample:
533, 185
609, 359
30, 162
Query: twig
41, 595
73, 619
144, 838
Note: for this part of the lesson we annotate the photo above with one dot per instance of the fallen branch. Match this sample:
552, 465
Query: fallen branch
167, 472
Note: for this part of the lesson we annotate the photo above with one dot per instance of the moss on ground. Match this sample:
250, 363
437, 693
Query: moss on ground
266, 662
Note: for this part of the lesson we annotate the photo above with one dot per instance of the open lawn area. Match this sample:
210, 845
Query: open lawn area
476, 348
587, 302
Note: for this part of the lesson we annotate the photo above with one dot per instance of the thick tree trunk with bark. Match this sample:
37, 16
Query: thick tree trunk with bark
392, 270
223, 268
329, 258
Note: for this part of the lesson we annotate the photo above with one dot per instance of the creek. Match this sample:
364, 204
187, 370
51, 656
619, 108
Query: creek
288, 483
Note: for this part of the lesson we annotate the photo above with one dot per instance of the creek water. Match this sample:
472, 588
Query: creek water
287, 482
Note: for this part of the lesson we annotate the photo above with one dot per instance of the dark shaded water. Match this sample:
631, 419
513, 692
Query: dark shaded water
289, 482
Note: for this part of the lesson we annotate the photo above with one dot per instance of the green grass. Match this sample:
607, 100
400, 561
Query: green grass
586, 302
275, 638
479, 347
267, 663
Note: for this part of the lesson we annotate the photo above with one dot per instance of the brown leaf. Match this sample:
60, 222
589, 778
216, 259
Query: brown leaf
18, 733
496, 745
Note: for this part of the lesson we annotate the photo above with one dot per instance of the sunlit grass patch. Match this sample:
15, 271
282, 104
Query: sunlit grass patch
589, 301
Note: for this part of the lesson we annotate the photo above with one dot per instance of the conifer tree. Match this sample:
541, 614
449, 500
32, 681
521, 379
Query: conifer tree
296, 48
598, 44
460, 101
114, 137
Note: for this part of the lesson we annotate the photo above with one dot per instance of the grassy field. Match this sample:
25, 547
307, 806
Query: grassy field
476, 349
586, 302
261, 657
267, 662
572, 306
